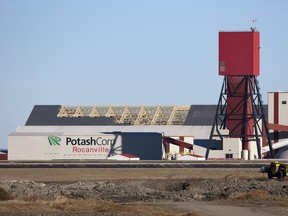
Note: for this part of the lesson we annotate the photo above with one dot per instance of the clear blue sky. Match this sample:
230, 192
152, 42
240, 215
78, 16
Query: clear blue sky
122, 52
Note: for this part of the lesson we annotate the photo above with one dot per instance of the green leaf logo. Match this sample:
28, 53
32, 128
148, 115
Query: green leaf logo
54, 140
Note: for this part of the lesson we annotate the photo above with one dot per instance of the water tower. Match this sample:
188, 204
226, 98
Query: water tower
240, 111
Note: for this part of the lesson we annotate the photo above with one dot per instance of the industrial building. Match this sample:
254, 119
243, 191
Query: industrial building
155, 133
81, 143
147, 132
278, 122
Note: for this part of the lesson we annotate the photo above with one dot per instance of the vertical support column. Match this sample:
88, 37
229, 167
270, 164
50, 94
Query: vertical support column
219, 111
266, 131
276, 116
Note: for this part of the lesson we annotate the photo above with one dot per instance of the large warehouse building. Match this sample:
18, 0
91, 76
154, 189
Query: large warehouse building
58, 132
55, 132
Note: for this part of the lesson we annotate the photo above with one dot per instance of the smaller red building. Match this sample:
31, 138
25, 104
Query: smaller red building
3, 156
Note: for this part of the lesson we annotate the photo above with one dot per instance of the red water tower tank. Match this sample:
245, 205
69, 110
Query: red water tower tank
239, 53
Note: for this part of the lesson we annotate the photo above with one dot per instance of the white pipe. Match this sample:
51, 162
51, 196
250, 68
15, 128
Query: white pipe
275, 146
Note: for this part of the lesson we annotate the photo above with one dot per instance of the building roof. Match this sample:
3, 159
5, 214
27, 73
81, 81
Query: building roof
57, 115
201, 115
47, 115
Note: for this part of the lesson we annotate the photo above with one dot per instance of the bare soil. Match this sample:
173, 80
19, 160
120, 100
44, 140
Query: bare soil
132, 191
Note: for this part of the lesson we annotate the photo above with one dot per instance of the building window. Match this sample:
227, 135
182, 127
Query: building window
284, 102
228, 155
222, 66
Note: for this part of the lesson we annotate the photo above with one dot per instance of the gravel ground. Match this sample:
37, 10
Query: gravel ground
238, 188
146, 190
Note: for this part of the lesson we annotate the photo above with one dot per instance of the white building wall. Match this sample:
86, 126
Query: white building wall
174, 149
121, 157
283, 108
201, 132
199, 150
188, 139
270, 107
190, 158
38, 147
198, 132
253, 153
232, 146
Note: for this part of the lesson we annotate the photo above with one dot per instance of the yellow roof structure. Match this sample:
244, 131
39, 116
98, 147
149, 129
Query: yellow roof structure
131, 115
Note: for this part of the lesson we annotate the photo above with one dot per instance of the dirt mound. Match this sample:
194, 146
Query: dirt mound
124, 195
149, 190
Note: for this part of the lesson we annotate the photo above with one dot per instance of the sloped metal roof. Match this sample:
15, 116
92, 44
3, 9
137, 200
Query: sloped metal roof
107, 115
57, 115
42, 115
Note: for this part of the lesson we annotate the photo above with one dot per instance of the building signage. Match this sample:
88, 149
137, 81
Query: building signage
99, 146
54, 140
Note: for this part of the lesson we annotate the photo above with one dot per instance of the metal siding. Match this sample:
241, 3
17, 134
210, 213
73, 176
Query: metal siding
3, 156
240, 53
37, 147
174, 149
270, 107
283, 108
189, 139
201, 115
47, 115
147, 146
276, 115
276, 108
256, 54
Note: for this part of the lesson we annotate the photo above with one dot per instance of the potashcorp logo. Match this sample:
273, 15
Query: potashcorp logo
54, 140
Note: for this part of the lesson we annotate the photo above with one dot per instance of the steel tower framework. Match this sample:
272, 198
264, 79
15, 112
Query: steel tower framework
248, 113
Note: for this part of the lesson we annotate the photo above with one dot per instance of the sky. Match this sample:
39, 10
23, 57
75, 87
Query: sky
127, 52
